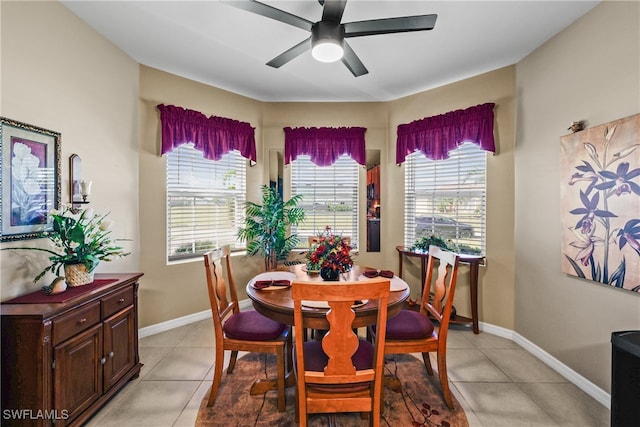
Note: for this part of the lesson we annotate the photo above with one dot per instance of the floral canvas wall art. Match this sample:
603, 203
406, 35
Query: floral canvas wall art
28, 195
29, 179
600, 203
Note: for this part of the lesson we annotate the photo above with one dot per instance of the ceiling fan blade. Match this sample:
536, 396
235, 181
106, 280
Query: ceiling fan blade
333, 9
290, 54
390, 25
351, 60
270, 12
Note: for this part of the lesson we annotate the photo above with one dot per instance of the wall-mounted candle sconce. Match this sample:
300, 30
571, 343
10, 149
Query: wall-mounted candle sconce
79, 189
85, 189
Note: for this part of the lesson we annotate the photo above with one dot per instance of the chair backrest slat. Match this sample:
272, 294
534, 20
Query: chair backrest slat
444, 284
341, 342
223, 299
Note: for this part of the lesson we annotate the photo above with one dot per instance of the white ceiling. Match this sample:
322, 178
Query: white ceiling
227, 47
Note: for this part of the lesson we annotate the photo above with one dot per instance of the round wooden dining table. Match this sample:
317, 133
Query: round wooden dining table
276, 303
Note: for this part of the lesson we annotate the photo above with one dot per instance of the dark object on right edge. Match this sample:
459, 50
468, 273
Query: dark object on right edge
625, 379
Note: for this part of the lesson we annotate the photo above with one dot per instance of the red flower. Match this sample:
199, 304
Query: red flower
331, 251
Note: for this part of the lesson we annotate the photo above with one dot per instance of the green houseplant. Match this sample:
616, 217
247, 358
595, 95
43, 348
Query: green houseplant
424, 242
267, 225
81, 239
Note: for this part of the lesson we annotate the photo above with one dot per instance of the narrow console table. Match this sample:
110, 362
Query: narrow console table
472, 260
64, 356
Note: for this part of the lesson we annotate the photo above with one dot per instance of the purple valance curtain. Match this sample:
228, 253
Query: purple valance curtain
436, 136
324, 145
214, 136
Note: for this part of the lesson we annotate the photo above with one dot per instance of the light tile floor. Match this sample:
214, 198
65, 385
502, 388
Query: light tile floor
496, 381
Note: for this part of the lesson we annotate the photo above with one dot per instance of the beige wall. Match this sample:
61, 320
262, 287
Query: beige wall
176, 290
496, 289
373, 116
59, 74
591, 72
63, 76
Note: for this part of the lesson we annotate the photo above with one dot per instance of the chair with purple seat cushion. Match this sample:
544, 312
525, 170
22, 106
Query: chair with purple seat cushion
340, 373
237, 330
413, 331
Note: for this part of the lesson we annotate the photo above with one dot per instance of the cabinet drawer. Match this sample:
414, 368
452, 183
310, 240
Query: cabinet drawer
80, 319
116, 302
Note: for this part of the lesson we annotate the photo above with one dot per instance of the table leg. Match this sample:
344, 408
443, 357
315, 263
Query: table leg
473, 279
265, 385
392, 383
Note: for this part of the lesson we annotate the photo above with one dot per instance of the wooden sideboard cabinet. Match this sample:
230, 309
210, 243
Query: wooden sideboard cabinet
62, 361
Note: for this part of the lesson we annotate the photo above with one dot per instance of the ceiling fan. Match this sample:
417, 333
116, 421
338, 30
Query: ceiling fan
327, 41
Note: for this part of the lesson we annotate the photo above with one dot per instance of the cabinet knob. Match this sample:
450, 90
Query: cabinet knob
111, 354
84, 319
121, 300
103, 360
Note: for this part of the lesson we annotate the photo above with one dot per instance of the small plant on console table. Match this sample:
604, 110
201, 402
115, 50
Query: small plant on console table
422, 245
80, 239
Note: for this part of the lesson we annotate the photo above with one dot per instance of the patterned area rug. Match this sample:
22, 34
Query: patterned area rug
419, 403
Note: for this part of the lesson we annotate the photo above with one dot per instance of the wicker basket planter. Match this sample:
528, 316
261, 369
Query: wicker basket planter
77, 275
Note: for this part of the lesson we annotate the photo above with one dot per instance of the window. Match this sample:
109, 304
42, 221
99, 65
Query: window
329, 196
205, 201
447, 198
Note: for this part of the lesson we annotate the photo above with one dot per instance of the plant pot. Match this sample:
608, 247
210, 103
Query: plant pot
329, 274
77, 275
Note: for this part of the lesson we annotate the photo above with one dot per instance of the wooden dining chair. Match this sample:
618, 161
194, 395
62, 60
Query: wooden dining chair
237, 330
340, 373
413, 331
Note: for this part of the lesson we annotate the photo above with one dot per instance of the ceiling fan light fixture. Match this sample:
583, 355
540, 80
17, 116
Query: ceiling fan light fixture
327, 51
326, 41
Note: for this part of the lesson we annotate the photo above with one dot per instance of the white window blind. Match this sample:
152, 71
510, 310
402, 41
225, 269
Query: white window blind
205, 201
447, 198
329, 197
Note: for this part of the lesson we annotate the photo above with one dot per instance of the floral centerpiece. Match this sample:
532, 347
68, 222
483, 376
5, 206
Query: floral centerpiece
81, 239
331, 255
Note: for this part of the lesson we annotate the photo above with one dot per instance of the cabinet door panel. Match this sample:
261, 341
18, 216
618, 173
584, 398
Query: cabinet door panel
77, 376
119, 348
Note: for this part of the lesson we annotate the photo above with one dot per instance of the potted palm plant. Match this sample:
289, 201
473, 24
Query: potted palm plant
267, 226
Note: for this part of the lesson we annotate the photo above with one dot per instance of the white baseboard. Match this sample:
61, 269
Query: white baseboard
572, 376
174, 323
182, 321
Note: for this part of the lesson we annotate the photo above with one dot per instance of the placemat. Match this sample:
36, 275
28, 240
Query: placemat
271, 284
39, 297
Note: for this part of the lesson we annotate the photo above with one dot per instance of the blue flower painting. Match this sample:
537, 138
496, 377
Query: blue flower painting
600, 202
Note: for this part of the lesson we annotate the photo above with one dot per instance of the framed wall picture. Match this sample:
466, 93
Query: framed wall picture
600, 202
30, 171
